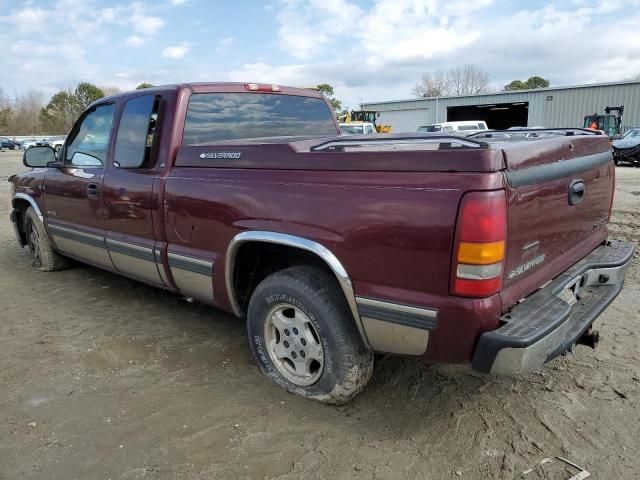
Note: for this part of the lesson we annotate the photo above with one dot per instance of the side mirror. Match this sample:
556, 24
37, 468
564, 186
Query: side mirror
39, 156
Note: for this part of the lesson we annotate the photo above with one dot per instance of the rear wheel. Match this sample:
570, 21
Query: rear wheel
43, 257
304, 338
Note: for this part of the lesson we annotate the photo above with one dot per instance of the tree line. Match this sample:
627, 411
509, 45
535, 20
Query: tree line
467, 80
27, 114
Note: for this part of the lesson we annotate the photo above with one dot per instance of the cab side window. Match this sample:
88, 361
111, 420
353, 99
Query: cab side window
136, 132
88, 144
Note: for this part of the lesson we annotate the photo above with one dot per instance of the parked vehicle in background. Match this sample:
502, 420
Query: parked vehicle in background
365, 116
609, 123
34, 142
245, 196
626, 149
57, 142
530, 132
463, 127
357, 128
428, 129
9, 144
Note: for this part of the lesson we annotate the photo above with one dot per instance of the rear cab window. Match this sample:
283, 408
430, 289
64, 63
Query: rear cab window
215, 117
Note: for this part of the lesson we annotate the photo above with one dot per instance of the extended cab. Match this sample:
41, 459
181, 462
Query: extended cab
245, 197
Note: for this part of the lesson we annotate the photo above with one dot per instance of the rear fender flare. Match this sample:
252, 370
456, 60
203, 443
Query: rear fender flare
296, 242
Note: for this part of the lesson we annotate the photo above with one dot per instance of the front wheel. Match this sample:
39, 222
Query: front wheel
43, 257
304, 338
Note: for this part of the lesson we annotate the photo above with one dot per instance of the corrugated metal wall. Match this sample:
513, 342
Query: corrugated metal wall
566, 108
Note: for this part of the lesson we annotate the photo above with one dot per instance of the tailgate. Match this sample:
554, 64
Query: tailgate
559, 195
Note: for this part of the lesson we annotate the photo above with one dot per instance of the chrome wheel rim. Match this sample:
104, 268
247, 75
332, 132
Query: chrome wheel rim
294, 345
34, 246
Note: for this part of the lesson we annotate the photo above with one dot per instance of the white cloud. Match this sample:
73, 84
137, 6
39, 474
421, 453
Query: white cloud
29, 20
224, 44
372, 50
177, 51
146, 24
108, 14
307, 27
379, 52
134, 41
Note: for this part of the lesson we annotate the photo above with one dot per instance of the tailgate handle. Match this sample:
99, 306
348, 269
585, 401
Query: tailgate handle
576, 192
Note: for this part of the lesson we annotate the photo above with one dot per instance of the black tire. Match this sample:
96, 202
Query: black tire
347, 364
43, 257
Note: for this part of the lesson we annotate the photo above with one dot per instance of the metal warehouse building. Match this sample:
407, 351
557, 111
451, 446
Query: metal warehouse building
544, 107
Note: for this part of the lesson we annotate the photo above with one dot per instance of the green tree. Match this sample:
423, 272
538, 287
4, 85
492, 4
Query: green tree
327, 91
60, 113
86, 93
537, 82
144, 85
64, 108
530, 84
516, 85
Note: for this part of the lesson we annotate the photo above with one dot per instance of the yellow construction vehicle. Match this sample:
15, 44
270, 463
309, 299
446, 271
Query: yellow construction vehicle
365, 116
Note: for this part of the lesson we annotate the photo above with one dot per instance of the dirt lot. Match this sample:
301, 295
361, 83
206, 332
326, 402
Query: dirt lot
102, 377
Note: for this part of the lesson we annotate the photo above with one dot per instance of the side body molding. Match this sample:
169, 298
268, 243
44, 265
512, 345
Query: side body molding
297, 242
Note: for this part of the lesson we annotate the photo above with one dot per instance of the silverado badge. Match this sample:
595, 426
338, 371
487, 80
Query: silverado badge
231, 155
525, 267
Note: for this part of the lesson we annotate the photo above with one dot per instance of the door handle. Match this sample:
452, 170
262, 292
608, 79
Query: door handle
93, 190
576, 192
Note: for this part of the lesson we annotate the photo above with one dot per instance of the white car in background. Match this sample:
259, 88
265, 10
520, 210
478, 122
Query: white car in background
32, 142
461, 128
57, 142
357, 128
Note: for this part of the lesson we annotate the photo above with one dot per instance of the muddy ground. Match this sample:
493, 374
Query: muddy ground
102, 377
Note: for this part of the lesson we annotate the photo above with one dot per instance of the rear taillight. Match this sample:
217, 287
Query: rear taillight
479, 249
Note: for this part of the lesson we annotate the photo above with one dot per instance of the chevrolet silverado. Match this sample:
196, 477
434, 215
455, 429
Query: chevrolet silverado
492, 252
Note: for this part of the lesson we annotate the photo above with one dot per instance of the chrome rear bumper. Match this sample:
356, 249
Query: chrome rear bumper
550, 321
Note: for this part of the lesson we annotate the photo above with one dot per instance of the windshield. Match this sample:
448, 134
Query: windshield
635, 132
351, 129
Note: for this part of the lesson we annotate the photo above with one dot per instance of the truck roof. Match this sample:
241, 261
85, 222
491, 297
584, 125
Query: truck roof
214, 87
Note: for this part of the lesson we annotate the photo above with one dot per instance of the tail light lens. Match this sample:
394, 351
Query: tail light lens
479, 249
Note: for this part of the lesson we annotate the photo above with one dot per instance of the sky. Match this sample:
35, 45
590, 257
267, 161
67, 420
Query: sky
368, 50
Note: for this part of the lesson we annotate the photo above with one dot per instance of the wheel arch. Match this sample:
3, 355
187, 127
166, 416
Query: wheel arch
23, 198
21, 202
304, 244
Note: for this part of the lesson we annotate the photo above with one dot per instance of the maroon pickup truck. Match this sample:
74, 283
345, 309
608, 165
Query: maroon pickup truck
487, 251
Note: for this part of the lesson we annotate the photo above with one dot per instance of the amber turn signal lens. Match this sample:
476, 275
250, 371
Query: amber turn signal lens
480, 253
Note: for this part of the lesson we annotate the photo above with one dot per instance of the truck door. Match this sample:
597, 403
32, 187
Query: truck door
73, 192
128, 192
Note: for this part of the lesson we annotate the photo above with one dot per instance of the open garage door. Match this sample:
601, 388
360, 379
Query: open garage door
499, 116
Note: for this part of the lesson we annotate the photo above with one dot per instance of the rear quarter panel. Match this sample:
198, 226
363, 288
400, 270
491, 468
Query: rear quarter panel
393, 232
